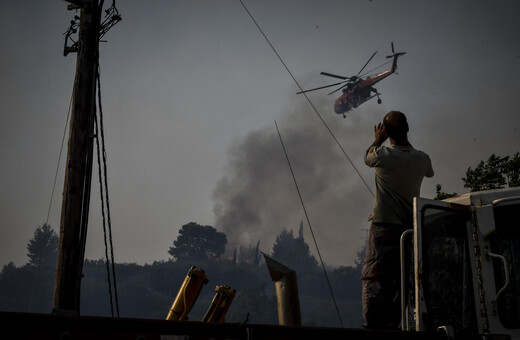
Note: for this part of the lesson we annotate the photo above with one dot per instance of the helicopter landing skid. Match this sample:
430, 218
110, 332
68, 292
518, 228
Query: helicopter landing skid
372, 96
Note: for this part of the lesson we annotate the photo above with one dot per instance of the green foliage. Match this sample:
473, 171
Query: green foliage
250, 255
26, 288
254, 303
441, 195
15, 288
294, 252
42, 249
360, 257
495, 173
148, 291
513, 170
198, 243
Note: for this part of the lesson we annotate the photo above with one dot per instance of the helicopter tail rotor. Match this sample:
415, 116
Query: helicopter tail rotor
352, 81
398, 54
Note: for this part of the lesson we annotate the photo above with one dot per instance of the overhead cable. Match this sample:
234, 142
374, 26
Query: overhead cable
306, 97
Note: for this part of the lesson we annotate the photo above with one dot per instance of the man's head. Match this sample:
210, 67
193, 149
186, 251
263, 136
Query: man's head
396, 126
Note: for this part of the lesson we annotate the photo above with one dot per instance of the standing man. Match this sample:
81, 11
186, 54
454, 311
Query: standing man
400, 170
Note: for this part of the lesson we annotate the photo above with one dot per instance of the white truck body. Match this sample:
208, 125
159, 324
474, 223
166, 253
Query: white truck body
466, 267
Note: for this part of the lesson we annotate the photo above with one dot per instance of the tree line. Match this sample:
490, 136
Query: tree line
147, 291
495, 173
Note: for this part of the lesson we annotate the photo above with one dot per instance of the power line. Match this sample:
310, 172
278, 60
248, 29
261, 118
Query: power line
59, 159
103, 182
309, 223
306, 97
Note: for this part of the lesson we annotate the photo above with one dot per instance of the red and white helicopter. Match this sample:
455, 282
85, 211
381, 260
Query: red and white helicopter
357, 90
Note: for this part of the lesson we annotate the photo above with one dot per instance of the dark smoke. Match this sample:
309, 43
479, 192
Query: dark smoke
257, 197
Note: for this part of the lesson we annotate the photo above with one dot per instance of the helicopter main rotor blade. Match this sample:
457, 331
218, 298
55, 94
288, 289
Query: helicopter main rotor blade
333, 75
366, 63
336, 90
319, 88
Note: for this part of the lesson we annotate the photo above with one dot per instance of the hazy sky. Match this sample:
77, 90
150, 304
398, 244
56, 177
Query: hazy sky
191, 91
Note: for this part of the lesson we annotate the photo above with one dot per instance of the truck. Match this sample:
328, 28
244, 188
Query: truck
460, 265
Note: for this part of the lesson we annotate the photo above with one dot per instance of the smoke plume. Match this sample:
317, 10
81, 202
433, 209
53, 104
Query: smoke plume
257, 197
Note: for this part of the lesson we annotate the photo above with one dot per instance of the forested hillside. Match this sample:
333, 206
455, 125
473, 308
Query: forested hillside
147, 291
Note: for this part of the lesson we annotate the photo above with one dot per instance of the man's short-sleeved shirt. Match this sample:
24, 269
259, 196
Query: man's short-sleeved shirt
399, 174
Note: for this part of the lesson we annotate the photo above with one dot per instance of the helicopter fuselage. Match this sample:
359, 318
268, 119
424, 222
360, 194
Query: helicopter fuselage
357, 90
353, 96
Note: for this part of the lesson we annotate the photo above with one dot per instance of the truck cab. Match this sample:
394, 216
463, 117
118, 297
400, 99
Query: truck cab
465, 273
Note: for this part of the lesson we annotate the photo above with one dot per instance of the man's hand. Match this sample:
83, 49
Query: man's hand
379, 137
379, 134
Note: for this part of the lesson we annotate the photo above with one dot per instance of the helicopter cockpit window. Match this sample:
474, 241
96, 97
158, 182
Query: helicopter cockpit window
506, 242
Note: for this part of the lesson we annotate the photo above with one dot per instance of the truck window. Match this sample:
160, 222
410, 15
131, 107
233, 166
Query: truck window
446, 276
506, 242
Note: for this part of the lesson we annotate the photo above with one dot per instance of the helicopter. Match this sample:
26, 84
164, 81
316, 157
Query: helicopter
357, 90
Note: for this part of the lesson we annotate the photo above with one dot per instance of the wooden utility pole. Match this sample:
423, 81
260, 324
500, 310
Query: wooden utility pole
76, 190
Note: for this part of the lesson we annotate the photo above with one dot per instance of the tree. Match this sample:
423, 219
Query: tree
255, 303
198, 243
249, 254
15, 288
293, 252
29, 288
440, 195
494, 174
513, 170
42, 249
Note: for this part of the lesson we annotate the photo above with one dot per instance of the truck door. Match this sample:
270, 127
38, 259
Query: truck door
444, 292
499, 230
